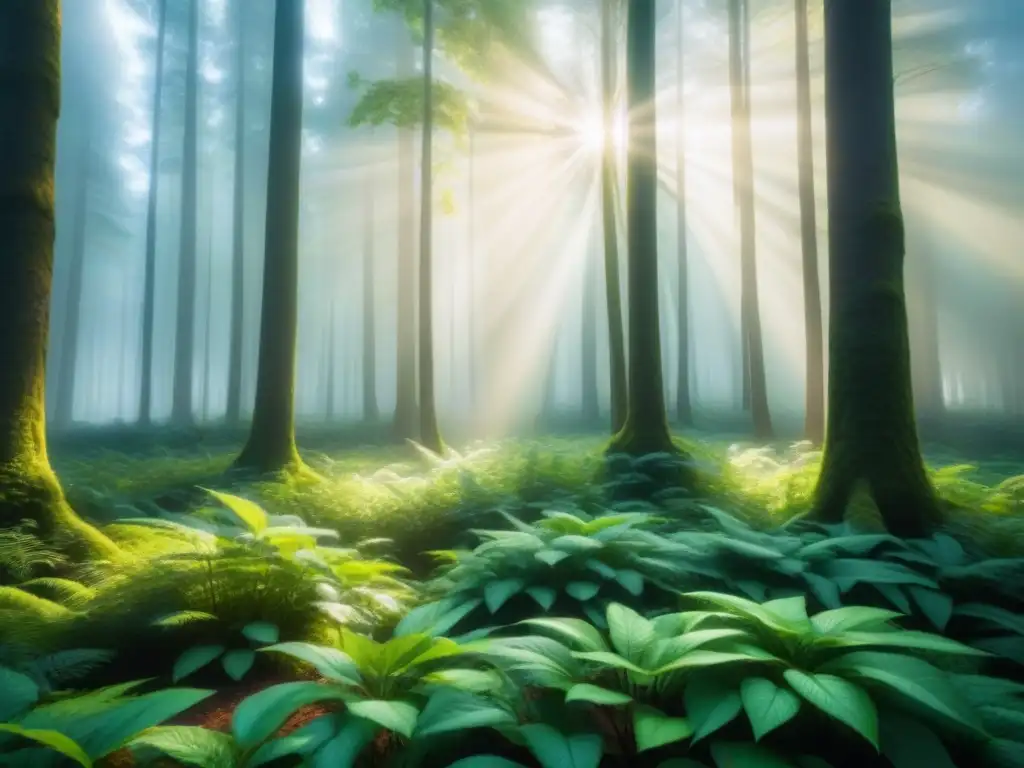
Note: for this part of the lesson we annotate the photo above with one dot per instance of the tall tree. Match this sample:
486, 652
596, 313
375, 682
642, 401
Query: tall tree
184, 339
271, 445
609, 187
30, 102
814, 345
871, 441
684, 409
646, 426
588, 341
430, 435
370, 409
234, 405
149, 276
743, 170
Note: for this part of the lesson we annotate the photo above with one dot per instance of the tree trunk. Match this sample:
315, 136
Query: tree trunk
30, 103
743, 169
149, 278
613, 290
646, 427
234, 405
67, 362
370, 409
871, 438
923, 321
331, 385
472, 277
591, 405
271, 445
430, 436
184, 340
405, 419
814, 345
208, 325
684, 409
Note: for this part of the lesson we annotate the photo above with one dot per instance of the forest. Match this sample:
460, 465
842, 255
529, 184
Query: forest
382, 384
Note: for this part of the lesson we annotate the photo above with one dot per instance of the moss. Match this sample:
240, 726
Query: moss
31, 606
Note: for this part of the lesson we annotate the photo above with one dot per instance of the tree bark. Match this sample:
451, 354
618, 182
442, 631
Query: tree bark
406, 407
646, 427
743, 168
871, 441
184, 340
234, 404
30, 102
814, 345
430, 435
370, 410
271, 445
613, 289
591, 405
684, 409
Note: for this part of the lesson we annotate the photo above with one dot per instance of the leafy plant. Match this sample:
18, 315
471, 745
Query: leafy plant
236, 662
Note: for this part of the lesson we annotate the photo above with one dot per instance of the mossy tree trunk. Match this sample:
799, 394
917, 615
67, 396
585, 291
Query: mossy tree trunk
234, 405
755, 380
430, 435
30, 103
609, 184
871, 441
149, 276
646, 427
184, 338
271, 445
370, 410
405, 419
814, 345
684, 408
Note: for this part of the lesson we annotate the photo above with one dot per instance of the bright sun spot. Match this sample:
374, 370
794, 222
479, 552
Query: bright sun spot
591, 133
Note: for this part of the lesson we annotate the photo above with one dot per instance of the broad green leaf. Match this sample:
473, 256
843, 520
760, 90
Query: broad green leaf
496, 593
306, 739
397, 716
908, 743
556, 750
262, 632
576, 630
993, 614
921, 641
856, 544
1011, 648
191, 745
259, 716
54, 740
485, 761
824, 589
329, 662
711, 704
194, 659
182, 618
700, 658
596, 695
896, 596
573, 543
544, 596
792, 610
551, 557
936, 606
768, 706
852, 617
606, 571
850, 572
608, 659
631, 581
740, 606
730, 754
343, 749
453, 710
237, 663
653, 728
19, 693
839, 698
475, 680
629, 632
436, 618
582, 590
250, 514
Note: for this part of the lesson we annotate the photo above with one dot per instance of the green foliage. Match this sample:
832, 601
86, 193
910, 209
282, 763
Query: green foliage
23, 554
399, 102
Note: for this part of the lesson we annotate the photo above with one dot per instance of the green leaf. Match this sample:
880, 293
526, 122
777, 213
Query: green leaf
710, 704
921, 641
436, 618
237, 663
596, 695
194, 659
450, 710
397, 716
606, 571
825, 590
250, 514
768, 706
631, 581
910, 744
182, 618
306, 739
853, 617
728, 754
1000, 617
54, 740
701, 658
485, 761
330, 662
856, 544
895, 596
582, 590
576, 630
551, 557
19, 693
792, 610
191, 745
652, 728
573, 543
262, 632
849, 572
343, 749
608, 659
259, 716
629, 632
556, 750
740, 606
936, 606
496, 593
544, 596
1011, 648
839, 698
